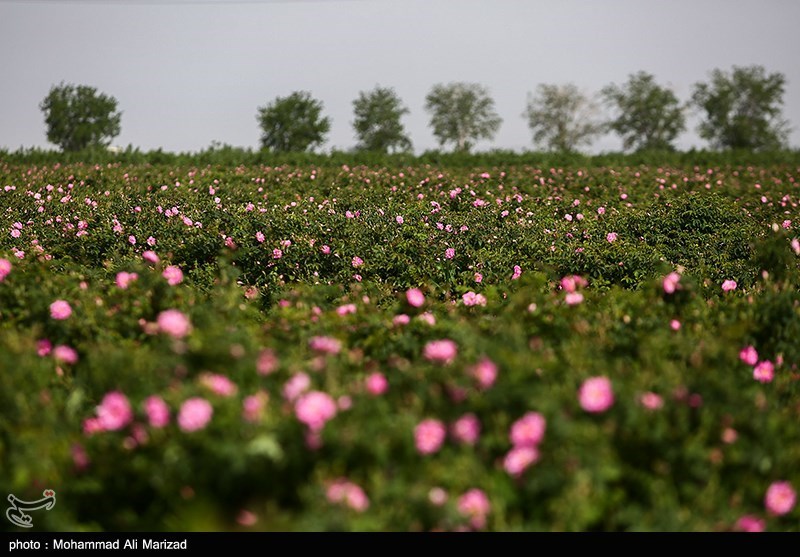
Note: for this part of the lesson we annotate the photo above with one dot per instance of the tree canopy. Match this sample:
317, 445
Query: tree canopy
377, 121
648, 116
562, 118
462, 113
293, 123
78, 117
742, 109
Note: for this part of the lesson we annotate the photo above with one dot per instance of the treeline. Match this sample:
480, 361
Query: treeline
226, 155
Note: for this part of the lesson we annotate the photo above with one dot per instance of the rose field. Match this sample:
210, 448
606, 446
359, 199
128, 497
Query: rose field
405, 347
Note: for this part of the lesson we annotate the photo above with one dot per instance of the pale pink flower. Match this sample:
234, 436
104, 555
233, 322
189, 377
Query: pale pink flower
66, 354
415, 297
729, 435
780, 498
478, 277
749, 355
151, 257
473, 299
399, 219
314, 409
151, 241
357, 261
528, 431
572, 282
517, 272
132, 240
80, 458
764, 372
519, 458
195, 414
795, 243
325, 345
218, 384
5, 268
429, 436
595, 394
124, 279
750, 523
253, 406
449, 253
573, 298
174, 323
670, 282
611, 237
267, 362
485, 372
376, 384
277, 254
475, 505
428, 318
601, 210
466, 429
60, 309
401, 319
344, 402
114, 411
173, 274
675, 325
260, 237
295, 386
651, 401
157, 411
343, 491
441, 351
437, 496
728, 285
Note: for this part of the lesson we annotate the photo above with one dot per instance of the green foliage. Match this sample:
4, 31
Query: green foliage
462, 113
293, 123
79, 118
377, 121
648, 117
742, 109
698, 461
562, 118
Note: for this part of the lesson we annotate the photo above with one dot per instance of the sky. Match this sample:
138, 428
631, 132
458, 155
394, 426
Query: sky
187, 73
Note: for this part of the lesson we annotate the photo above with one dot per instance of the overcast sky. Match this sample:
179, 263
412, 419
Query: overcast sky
189, 72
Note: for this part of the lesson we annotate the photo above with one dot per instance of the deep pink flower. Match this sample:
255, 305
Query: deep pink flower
43, 347
377, 384
595, 394
429, 436
195, 414
611, 237
415, 297
528, 431
780, 498
315, 409
60, 309
114, 411
325, 345
519, 459
764, 372
441, 351
485, 372
174, 323
325, 249
750, 523
449, 253
173, 274
66, 354
749, 355
157, 411
5, 268
517, 272
475, 505
260, 237
466, 429
357, 261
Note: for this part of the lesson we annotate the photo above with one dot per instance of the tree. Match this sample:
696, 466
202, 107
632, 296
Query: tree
562, 118
649, 117
293, 123
742, 109
462, 113
78, 117
377, 121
